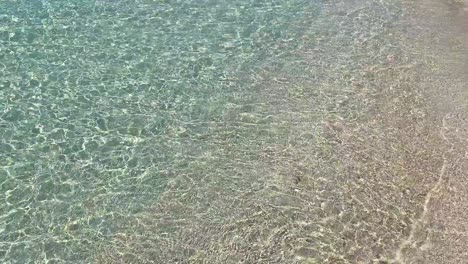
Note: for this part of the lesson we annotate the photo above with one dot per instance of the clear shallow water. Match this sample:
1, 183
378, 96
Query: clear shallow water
105, 101
214, 132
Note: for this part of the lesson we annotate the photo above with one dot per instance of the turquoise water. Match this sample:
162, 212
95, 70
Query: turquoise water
215, 131
104, 102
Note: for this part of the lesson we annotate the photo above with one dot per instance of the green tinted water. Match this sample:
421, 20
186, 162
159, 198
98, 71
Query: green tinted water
276, 131
103, 102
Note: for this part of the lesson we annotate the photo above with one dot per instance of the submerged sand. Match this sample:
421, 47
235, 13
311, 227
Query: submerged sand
362, 154
345, 144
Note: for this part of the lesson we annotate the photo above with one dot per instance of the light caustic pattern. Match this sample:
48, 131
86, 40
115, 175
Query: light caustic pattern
280, 131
